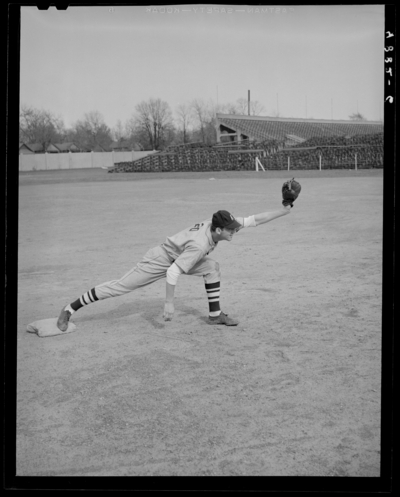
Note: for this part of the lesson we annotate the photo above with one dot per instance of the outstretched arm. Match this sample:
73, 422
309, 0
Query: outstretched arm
263, 217
290, 191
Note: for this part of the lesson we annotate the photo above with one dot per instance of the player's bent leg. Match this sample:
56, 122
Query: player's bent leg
210, 270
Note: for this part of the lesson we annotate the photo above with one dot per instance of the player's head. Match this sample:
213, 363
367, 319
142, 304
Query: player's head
224, 225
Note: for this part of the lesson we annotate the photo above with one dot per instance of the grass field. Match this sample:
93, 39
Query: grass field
294, 390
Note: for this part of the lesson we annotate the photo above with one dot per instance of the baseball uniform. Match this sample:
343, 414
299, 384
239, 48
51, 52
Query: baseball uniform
186, 252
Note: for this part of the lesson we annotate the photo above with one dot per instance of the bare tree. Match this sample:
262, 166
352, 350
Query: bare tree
185, 117
136, 135
204, 114
256, 108
228, 108
40, 126
242, 106
199, 113
118, 132
357, 117
154, 119
92, 131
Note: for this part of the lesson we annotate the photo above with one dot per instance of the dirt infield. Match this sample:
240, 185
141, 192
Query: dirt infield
294, 390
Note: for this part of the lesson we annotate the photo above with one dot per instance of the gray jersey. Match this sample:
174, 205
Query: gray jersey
189, 246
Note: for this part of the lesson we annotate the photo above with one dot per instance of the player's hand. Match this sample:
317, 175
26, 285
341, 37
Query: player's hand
168, 311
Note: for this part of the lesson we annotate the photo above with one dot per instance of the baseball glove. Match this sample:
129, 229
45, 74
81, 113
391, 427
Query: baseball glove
290, 191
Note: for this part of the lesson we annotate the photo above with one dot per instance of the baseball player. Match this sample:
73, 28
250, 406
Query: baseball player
187, 252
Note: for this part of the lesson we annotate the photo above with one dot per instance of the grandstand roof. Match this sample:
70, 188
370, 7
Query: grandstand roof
285, 129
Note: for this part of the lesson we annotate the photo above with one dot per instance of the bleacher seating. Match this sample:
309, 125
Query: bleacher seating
339, 152
302, 144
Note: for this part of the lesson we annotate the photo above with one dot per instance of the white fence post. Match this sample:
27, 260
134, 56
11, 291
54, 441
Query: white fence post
69, 159
288, 162
258, 163
320, 162
355, 161
45, 160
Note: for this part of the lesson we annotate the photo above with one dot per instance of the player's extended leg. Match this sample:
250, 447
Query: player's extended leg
209, 269
151, 268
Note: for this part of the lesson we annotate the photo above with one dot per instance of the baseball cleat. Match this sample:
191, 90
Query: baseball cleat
62, 322
223, 319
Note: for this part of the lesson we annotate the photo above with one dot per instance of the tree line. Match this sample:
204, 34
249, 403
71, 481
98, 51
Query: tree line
152, 126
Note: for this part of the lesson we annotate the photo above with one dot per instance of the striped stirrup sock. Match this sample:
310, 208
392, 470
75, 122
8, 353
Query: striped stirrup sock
85, 299
213, 290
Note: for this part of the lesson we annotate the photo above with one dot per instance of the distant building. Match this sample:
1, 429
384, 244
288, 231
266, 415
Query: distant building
99, 148
52, 149
36, 148
65, 147
25, 149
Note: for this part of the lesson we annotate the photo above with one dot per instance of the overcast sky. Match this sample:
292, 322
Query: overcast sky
301, 61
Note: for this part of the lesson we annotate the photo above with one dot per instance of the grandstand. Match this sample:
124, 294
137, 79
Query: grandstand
277, 143
274, 128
